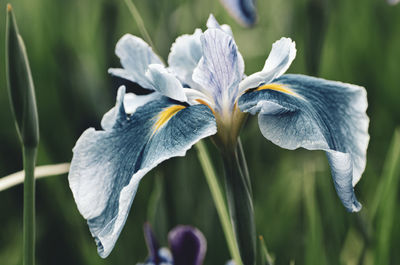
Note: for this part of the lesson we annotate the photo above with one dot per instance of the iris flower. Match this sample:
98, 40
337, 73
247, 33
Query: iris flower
204, 92
187, 244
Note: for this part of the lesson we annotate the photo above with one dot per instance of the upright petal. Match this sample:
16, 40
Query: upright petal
185, 55
301, 111
165, 82
212, 23
135, 55
280, 58
244, 11
108, 165
218, 71
188, 245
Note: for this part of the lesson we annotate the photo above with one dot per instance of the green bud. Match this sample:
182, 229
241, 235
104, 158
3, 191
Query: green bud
20, 85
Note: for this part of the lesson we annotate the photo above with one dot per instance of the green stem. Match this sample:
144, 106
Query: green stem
243, 165
219, 201
238, 192
29, 154
139, 21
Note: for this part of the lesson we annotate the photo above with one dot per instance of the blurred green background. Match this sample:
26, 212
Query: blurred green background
71, 44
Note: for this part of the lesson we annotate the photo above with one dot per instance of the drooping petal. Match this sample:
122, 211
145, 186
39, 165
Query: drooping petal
301, 111
165, 82
185, 55
280, 58
108, 165
135, 55
218, 71
188, 245
131, 103
244, 11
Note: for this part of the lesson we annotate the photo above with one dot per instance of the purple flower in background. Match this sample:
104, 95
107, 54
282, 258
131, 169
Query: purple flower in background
187, 247
244, 11
393, 2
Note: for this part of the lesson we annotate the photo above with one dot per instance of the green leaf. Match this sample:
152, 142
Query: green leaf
156, 210
20, 84
219, 201
386, 201
264, 258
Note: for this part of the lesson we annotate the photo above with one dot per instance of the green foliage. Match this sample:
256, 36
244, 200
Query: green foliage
71, 45
20, 85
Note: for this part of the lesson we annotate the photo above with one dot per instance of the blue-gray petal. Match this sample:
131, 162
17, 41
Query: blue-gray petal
108, 165
244, 11
130, 103
313, 113
184, 56
219, 70
135, 55
188, 245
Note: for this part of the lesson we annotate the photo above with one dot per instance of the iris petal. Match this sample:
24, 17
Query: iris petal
152, 243
243, 11
314, 113
188, 245
135, 55
185, 55
212, 23
219, 71
165, 82
108, 165
280, 58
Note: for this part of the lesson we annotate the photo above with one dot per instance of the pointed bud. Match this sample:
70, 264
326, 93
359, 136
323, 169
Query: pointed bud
20, 84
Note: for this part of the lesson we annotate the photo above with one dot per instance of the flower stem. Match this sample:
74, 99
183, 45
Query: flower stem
239, 196
219, 201
29, 157
139, 21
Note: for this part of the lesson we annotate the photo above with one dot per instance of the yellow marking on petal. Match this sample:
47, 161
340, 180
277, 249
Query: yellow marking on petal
205, 103
278, 87
165, 115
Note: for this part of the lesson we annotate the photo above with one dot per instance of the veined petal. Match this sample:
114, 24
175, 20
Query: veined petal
218, 71
185, 55
280, 58
212, 23
188, 245
135, 55
244, 11
165, 82
301, 111
108, 165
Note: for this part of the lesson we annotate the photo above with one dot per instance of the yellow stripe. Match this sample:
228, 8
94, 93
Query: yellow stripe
277, 87
205, 103
165, 115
